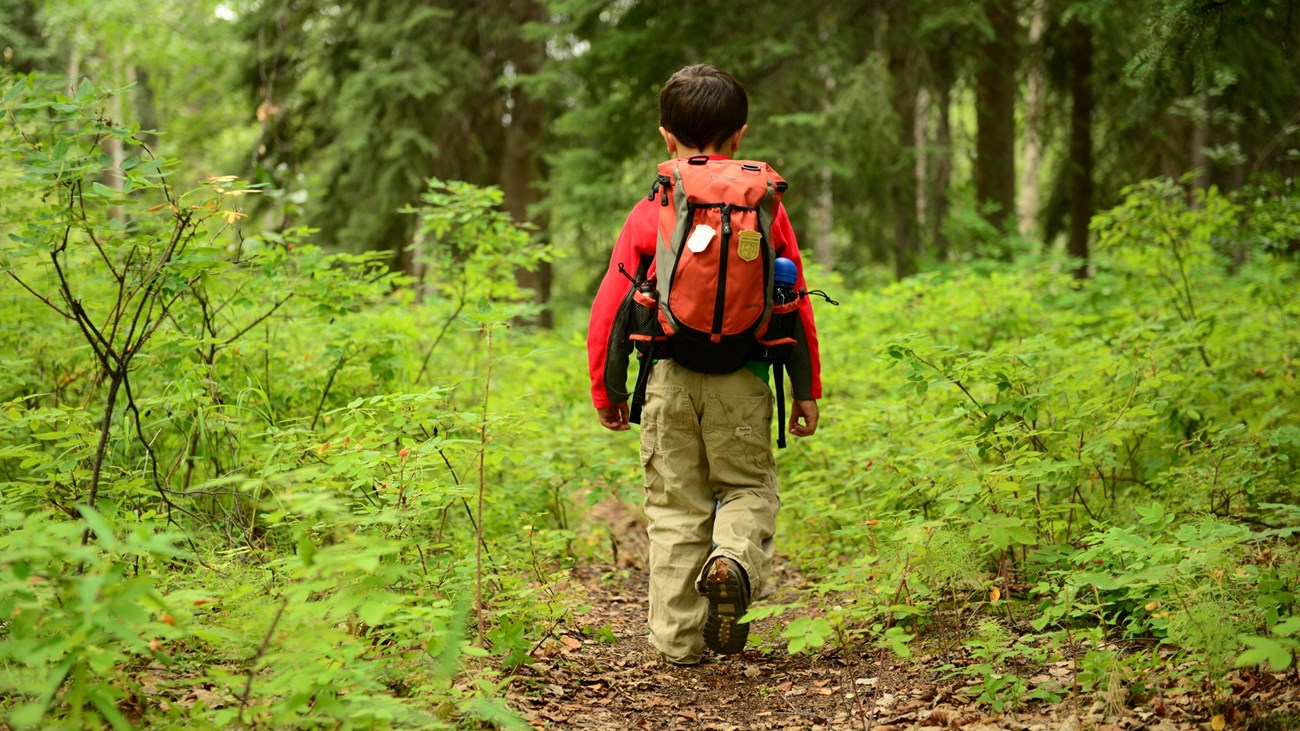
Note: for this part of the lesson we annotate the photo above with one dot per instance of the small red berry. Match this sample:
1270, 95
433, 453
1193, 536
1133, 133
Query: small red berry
168, 619
402, 454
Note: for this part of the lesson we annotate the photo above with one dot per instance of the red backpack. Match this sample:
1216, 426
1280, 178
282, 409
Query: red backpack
707, 296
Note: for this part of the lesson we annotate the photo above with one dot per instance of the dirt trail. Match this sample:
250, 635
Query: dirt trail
603, 674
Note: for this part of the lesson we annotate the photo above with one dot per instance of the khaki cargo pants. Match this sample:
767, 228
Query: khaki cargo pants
705, 442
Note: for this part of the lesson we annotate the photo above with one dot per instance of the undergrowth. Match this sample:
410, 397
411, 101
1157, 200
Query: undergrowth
251, 482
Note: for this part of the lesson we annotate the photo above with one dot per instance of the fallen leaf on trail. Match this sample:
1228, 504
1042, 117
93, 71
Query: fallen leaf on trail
570, 642
785, 687
909, 706
206, 697
939, 717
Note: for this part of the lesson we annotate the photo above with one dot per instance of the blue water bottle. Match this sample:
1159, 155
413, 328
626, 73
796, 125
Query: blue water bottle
784, 275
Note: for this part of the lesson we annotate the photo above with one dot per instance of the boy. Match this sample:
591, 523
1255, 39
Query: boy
710, 477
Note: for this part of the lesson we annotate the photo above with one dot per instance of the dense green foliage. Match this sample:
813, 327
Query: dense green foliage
341, 110
1105, 461
278, 449
314, 491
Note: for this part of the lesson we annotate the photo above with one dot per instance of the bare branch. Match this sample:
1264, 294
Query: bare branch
258, 321
39, 296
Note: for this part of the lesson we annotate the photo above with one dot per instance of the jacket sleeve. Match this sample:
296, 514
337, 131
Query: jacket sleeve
608, 347
805, 361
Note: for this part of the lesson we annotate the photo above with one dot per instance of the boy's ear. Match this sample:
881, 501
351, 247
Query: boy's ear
734, 143
669, 139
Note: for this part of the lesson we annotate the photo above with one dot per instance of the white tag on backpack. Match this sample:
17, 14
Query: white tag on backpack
700, 238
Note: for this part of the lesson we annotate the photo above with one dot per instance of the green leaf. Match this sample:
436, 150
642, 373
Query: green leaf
12, 92
103, 702
28, 715
100, 527
306, 550
1288, 627
1264, 651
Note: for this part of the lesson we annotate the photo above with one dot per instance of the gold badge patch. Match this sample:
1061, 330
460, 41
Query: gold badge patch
750, 241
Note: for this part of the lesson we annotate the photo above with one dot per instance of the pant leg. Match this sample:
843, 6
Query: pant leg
736, 428
679, 506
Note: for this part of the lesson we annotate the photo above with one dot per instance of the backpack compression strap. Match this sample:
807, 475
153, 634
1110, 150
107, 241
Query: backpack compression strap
778, 373
642, 378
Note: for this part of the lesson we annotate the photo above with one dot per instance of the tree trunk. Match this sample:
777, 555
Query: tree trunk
1034, 106
823, 212
520, 167
921, 167
1200, 142
995, 112
1081, 110
74, 63
942, 155
902, 178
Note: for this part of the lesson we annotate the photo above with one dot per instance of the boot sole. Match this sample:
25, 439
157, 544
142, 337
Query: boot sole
727, 604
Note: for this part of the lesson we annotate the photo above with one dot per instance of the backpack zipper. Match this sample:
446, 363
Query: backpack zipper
720, 302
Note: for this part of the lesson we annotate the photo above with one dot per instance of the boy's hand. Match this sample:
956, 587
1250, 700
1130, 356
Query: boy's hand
614, 417
807, 411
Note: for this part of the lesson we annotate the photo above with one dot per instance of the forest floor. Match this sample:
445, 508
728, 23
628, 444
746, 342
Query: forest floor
603, 674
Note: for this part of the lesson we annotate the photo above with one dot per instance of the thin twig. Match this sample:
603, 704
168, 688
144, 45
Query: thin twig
482, 487
329, 383
252, 662
258, 321
441, 333
40, 296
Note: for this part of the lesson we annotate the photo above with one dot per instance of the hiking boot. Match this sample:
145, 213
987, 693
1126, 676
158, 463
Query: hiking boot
727, 589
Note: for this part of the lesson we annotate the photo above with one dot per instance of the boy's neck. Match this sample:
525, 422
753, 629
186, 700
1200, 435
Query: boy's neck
726, 149
683, 152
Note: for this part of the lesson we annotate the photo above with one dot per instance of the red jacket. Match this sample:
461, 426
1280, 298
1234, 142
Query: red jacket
608, 347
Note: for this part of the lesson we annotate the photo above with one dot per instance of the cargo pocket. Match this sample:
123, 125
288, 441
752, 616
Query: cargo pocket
668, 421
669, 442
737, 435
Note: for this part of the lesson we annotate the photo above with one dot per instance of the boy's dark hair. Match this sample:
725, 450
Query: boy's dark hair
702, 105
